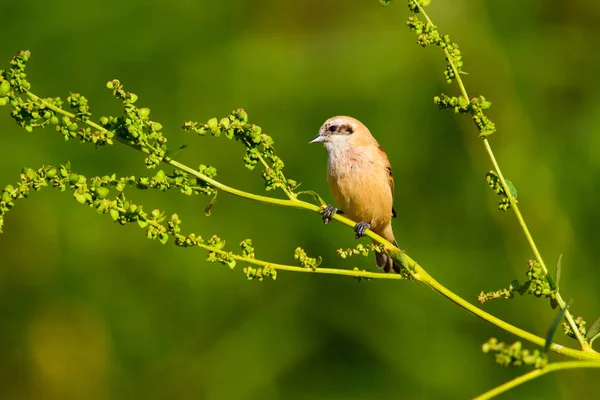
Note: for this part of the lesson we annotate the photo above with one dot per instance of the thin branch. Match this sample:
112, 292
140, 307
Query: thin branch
562, 304
534, 374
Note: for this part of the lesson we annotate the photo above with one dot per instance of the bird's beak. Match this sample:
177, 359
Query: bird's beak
318, 139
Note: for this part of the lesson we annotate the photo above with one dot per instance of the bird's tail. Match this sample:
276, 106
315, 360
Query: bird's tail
384, 261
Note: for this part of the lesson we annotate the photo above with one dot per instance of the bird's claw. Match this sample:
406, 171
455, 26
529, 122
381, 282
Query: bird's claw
361, 228
328, 213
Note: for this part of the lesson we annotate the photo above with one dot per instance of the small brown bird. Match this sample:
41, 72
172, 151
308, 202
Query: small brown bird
360, 179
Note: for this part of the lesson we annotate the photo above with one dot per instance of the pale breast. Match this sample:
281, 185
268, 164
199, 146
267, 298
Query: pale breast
359, 183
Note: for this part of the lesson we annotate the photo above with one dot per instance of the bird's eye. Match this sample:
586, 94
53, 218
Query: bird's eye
332, 128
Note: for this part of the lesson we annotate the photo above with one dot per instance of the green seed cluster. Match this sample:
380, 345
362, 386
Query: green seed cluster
28, 114
580, 323
94, 191
31, 112
537, 284
136, 127
260, 273
247, 249
225, 258
413, 5
80, 105
428, 34
259, 146
360, 249
499, 294
493, 181
305, 260
15, 74
514, 355
95, 194
475, 108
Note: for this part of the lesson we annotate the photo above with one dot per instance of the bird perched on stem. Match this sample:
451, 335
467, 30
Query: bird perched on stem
360, 179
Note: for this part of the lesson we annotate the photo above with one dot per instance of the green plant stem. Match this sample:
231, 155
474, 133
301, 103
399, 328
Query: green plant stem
417, 272
288, 193
562, 304
534, 374
292, 268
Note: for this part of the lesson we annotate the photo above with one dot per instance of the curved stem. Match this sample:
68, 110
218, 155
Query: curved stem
562, 304
292, 268
534, 374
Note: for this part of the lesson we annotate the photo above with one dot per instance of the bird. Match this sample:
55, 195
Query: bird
361, 181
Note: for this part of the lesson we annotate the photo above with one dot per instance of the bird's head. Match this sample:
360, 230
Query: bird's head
342, 132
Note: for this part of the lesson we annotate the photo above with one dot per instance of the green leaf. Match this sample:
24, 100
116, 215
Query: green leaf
142, 223
114, 214
163, 237
511, 188
210, 205
594, 331
558, 269
80, 198
102, 192
554, 327
4, 87
182, 147
314, 195
384, 2
231, 264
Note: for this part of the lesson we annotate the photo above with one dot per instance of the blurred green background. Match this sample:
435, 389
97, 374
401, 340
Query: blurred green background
90, 309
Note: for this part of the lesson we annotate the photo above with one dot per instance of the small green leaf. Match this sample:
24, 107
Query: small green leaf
404, 261
384, 2
314, 195
231, 263
114, 214
81, 198
182, 147
594, 331
142, 223
482, 101
210, 205
558, 269
163, 237
554, 327
4, 87
212, 123
511, 188
102, 192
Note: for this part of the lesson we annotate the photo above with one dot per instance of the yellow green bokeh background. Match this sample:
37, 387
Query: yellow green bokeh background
93, 310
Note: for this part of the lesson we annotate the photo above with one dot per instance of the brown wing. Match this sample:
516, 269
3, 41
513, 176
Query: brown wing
391, 182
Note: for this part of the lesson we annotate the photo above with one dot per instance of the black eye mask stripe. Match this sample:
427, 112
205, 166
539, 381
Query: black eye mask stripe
340, 130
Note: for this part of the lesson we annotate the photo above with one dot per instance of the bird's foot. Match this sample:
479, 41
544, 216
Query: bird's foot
328, 213
361, 228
